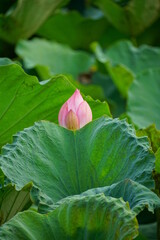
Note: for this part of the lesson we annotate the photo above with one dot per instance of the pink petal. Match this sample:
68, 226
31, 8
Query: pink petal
74, 101
84, 114
62, 114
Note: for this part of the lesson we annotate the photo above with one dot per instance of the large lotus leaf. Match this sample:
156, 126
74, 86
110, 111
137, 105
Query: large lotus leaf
73, 29
143, 99
24, 100
91, 217
62, 163
21, 21
132, 18
136, 194
124, 61
153, 135
56, 57
13, 201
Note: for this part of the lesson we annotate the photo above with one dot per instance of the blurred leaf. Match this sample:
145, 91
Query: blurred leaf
157, 167
1, 178
25, 18
135, 59
13, 201
91, 217
58, 58
153, 135
116, 102
121, 76
148, 232
96, 92
105, 82
143, 99
24, 100
151, 36
73, 29
131, 19
111, 36
84, 85
5, 5
121, 2
123, 62
92, 12
78, 5
141, 237
62, 163
6, 49
5, 61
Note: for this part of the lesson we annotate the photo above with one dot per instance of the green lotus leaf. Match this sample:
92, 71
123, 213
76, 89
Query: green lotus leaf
143, 99
136, 194
20, 21
131, 17
13, 201
56, 57
62, 163
89, 217
24, 100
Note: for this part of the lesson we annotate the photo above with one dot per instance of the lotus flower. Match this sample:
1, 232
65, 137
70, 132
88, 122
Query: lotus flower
75, 112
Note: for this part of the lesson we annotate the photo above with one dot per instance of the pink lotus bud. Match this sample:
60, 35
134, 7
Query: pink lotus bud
75, 113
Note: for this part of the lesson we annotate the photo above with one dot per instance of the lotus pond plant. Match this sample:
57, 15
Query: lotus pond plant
79, 120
